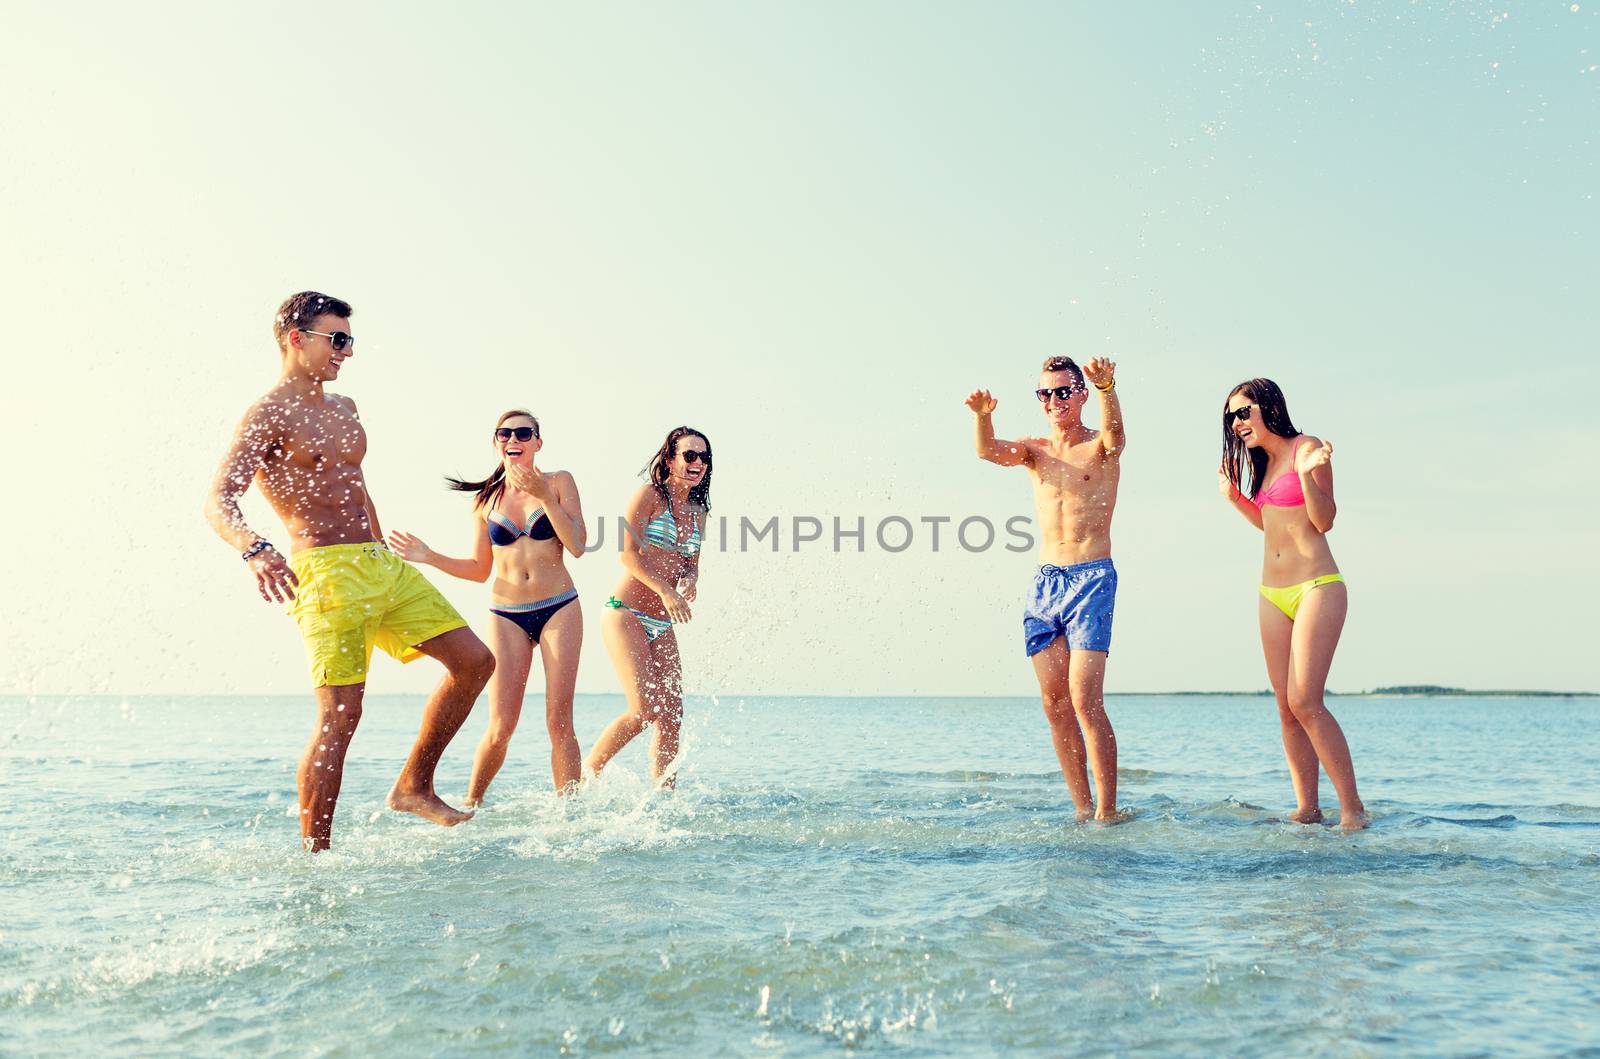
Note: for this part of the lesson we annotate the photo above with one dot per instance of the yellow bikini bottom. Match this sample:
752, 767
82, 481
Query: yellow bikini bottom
1289, 597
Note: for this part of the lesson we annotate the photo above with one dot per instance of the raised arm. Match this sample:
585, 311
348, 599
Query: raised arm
1102, 374
247, 453
1240, 502
1314, 463
1004, 453
478, 567
557, 492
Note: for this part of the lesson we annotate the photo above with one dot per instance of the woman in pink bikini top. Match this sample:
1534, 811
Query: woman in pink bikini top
1281, 481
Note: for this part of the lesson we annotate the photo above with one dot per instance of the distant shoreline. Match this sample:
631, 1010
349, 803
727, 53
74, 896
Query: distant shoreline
1420, 691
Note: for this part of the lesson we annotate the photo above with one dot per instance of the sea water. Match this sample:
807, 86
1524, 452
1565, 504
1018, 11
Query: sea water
893, 875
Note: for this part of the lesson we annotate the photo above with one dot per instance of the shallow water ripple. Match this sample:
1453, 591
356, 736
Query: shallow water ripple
817, 885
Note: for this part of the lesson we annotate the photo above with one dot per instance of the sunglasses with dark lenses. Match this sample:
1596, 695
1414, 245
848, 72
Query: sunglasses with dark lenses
337, 339
1239, 415
520, 433
696, 456
1061, 393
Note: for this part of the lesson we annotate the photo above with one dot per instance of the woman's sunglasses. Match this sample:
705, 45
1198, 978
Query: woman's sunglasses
337, 339
696, 456
1061, 393
1238, 415
520, 433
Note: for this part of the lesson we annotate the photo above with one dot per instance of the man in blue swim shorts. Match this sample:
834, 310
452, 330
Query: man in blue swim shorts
1066, 622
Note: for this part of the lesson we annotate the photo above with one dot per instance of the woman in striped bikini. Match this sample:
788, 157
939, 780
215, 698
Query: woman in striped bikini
661, 557
522, 535
1281, 481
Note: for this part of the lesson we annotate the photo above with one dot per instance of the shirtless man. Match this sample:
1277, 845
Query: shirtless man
345, 590
1067, 623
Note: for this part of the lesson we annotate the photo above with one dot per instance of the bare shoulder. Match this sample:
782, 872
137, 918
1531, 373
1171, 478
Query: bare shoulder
268, 416
346, 403
643, 499
566, 484
1307, 441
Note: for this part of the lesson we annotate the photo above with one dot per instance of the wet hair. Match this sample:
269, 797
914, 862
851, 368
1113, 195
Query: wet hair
301, 310
490, 488
660, 468
1065, 364
1268, 399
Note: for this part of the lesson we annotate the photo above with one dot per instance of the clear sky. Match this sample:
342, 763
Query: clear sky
810, 230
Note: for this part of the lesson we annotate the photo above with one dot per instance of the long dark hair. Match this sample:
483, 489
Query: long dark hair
659, 469
490, 488
1268, 399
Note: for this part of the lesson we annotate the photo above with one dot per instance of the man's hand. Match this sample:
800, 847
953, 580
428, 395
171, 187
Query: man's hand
274, 578
1100, 371
981, 402
409, 547
532, 481
1307, 460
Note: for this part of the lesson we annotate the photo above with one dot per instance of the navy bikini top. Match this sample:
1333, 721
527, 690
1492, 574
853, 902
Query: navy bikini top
503, 531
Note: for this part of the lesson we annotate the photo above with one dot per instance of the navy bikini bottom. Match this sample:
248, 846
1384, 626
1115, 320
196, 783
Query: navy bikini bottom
532, 617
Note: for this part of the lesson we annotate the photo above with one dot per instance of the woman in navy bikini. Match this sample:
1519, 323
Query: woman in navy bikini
521, 535
1281, 481
661, 555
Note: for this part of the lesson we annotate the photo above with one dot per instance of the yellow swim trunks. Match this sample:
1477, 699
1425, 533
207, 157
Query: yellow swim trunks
352, 597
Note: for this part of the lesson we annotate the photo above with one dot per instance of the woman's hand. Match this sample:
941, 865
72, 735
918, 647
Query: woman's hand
1308, 459
686, 587
532, 481
677, 606
409, 547
1225, 486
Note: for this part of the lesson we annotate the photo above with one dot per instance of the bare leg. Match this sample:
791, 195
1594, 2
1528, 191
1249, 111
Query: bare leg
1276, 632
468, 665
559, 645
1053, 668
630, 654
664, 693
1316, 633
322, 765
1087, 678
512, 656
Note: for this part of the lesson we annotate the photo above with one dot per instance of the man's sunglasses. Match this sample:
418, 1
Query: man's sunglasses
520, 433
1061, 393
696, 456
337, 339
1239, 415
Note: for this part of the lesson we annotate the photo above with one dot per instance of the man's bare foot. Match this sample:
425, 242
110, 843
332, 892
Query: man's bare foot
1312, 815
1115, 816
427, 805
1355, 821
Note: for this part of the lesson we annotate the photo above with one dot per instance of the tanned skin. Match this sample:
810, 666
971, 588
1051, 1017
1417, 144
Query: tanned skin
303, 447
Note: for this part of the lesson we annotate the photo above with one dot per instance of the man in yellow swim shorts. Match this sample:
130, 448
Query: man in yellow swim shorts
347, 592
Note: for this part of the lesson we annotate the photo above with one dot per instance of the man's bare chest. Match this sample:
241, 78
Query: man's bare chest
322, 442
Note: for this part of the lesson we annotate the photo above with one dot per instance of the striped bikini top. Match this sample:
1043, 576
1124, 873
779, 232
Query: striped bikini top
662, 532
1284, 490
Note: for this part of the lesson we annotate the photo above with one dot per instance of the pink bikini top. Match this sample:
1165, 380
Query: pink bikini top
1285, 490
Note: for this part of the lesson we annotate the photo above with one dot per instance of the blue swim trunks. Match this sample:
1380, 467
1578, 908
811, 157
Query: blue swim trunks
1073, 601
